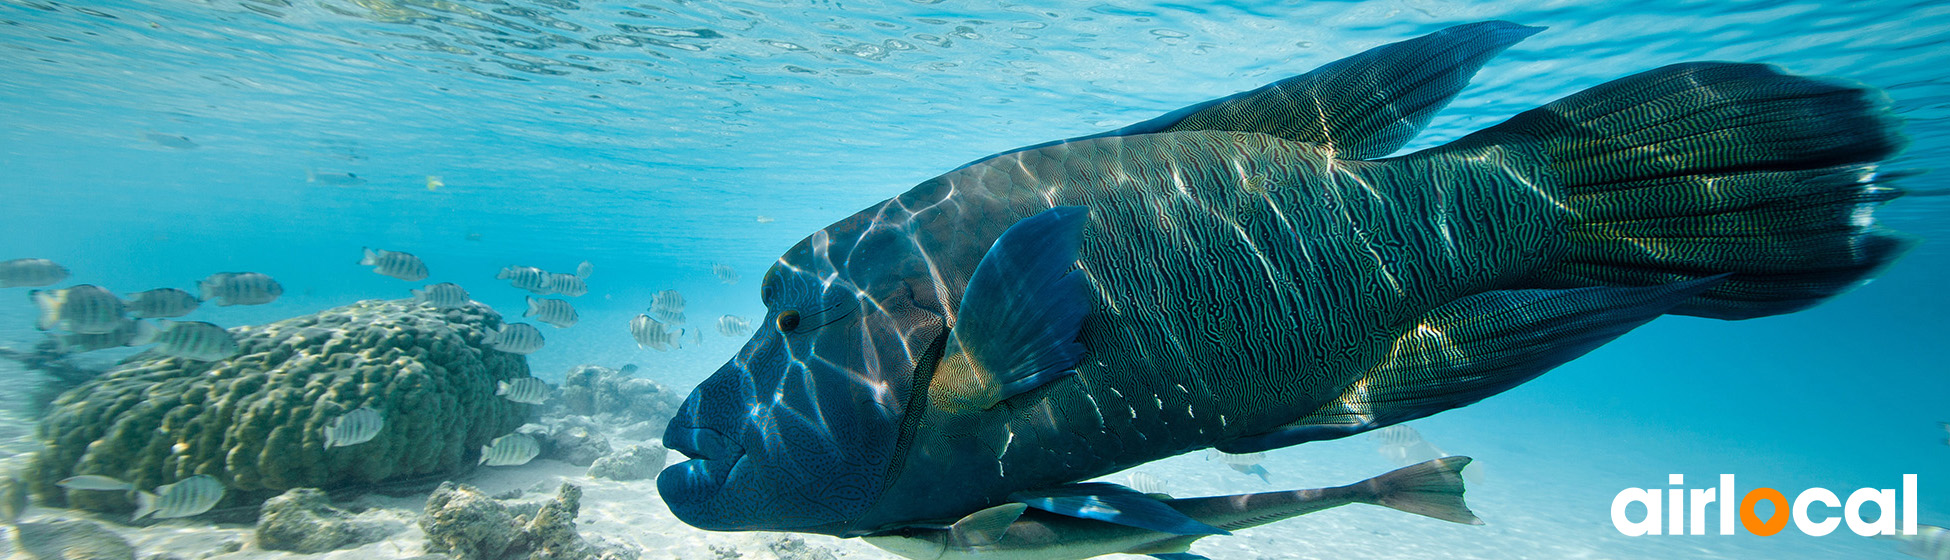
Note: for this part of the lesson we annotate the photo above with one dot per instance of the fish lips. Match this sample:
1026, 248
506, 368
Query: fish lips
691, 487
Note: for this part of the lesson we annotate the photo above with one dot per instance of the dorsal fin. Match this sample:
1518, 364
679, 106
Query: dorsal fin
1363, 106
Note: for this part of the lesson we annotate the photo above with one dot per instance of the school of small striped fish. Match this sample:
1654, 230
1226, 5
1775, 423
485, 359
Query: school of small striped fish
353, 428
396, 264
190, 340
556, 312
31, 273
732, 325
567, 284
187, 497
668, 306
445, 295
123, 335
526, 278
94, 482
526, 390
86, 309
650, 333
240, 288
510, 450
515, 338
161, 303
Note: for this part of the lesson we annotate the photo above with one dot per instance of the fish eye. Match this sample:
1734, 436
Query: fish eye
788, 320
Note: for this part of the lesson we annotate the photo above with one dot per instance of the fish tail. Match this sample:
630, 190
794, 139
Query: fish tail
534, 307
145, 505
1700, 169
370, 258
145, 333
1432, 488
50, 304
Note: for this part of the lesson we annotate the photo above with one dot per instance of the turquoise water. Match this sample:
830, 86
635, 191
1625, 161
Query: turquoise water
655, 139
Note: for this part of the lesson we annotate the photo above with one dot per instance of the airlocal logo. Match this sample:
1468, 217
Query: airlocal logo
1800, 512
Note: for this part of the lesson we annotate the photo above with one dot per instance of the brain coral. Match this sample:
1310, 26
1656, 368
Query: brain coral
255, 420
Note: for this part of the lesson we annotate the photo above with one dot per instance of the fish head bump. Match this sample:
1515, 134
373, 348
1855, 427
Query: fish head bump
801, 430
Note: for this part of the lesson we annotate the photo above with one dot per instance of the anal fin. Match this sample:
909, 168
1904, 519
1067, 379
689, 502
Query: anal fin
1476, 347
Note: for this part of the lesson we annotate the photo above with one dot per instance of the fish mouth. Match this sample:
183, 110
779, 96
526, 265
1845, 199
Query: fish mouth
691, 487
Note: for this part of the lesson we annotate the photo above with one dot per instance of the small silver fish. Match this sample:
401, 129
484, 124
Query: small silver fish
31, 272
1245, 463
668, 306
556, 312
190, 340
732, 325
240, 288
1404, 446
649, 333
187, 497
353, 428
583, 270
337, 178
1930, 541
176, 141
94, 482
510, 450
445, 295
124, 335
525, 277
396, 264
526, 390
1144, 482
567, 284
86, 309
724, 273
13, 500
515, 338
161, 303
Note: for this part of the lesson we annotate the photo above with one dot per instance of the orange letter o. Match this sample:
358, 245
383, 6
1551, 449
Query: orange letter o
1752, 522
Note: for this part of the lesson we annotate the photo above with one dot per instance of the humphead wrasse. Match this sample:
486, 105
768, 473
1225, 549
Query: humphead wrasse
1252, 273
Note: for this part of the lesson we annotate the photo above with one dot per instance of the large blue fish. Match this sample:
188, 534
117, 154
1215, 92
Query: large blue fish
1251, 273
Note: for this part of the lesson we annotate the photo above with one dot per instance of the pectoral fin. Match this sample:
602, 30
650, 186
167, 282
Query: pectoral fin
1475, 347
1020, 314
1115, 504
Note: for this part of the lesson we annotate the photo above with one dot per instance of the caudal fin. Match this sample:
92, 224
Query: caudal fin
1432, 488
1699, 169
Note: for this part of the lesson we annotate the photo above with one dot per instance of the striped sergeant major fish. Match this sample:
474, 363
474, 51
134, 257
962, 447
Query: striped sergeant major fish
515, 338
31, 272
526, 278
353, 428
184, 498
556, 312
240, 288
1027, 530
1253, 272
510, 450
190, 340
396, 264
567, 284
161, 303
124, 335
445, 295
83, 309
